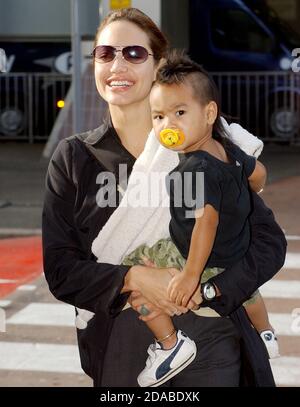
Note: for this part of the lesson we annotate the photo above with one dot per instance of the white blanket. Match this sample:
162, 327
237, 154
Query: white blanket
145, 219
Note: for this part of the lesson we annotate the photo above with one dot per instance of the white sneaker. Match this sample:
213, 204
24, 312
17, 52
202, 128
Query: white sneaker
162, 364
270, 341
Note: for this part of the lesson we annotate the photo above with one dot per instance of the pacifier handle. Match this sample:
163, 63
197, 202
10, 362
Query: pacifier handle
171, 137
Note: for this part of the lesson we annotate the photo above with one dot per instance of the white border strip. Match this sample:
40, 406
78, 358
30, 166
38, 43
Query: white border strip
39, 357
6, 281
19, 232
292, 237
26, 287
281, 289
286, 370
292, 261
44, 314
4, 303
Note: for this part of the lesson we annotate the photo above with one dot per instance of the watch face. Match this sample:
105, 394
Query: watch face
210, 292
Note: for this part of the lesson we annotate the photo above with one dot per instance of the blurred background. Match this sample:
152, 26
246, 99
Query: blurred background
251, 47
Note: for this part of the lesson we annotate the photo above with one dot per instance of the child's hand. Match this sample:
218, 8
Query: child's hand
182, 287
197, 297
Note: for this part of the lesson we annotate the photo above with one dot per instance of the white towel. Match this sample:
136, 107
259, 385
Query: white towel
131, 224
241, 137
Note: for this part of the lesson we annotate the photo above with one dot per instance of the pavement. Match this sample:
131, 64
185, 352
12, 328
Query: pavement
38, 345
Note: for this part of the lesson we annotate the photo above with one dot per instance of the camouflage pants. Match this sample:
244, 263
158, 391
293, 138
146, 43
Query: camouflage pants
164, 253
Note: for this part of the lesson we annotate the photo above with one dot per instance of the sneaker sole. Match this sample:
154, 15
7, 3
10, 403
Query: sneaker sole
174, 372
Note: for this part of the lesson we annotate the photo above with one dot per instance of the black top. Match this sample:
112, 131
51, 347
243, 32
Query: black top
71, 221
204, 179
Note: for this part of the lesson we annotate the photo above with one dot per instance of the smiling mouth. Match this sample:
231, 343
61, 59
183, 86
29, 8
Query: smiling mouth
120, 84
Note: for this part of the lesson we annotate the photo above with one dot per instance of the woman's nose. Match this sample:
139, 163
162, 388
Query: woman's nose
119, 64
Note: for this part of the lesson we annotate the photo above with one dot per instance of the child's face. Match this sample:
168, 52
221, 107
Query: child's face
175, 106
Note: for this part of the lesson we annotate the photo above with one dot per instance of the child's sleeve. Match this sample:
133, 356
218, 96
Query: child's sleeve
208, 188
248, 161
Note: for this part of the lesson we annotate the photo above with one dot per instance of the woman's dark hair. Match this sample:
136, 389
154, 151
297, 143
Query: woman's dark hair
178, 68
157, 41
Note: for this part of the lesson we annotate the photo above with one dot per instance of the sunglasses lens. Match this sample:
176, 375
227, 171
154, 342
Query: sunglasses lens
135, 54
104, 53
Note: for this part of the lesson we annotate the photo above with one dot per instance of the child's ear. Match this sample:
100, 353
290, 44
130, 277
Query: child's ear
211, 112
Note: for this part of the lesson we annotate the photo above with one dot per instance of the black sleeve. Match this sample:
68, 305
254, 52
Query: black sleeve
74, 277
265, 257
207, 188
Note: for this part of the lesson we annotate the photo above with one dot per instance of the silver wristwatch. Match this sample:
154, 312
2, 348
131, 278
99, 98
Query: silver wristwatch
208, 291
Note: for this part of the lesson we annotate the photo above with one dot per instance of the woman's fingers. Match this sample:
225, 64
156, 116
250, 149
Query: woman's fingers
173, 309
133, 295
140, 303
178, 313
152, 289
153, 314
147, 261
136, 302
173, 271
153, 282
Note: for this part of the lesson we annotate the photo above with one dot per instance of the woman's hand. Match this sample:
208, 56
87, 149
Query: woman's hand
193, 303
152, 283
182, 287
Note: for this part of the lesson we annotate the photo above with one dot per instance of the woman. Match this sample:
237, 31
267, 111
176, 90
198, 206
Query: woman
112, 347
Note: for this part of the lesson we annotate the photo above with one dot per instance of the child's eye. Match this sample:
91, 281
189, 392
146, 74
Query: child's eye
180, 112
158, 117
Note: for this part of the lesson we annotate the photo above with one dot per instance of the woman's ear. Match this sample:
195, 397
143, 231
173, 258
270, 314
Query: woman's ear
211, 112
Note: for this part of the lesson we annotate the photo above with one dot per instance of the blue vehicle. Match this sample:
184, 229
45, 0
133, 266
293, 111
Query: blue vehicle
36, 78
248, 37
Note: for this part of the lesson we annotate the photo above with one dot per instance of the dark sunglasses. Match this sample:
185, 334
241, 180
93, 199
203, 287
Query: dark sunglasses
134, 54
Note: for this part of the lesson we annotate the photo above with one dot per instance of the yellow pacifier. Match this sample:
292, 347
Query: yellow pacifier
171, 137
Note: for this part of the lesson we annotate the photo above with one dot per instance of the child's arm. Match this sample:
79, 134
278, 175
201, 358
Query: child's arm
182, 286
258, 177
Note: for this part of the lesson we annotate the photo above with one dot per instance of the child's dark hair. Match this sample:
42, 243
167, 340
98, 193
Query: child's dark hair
178, 68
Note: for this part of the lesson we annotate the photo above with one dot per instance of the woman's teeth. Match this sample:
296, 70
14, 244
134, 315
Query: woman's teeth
120, 83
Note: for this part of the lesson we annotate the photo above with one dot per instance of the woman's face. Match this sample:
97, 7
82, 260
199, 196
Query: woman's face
136, 78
